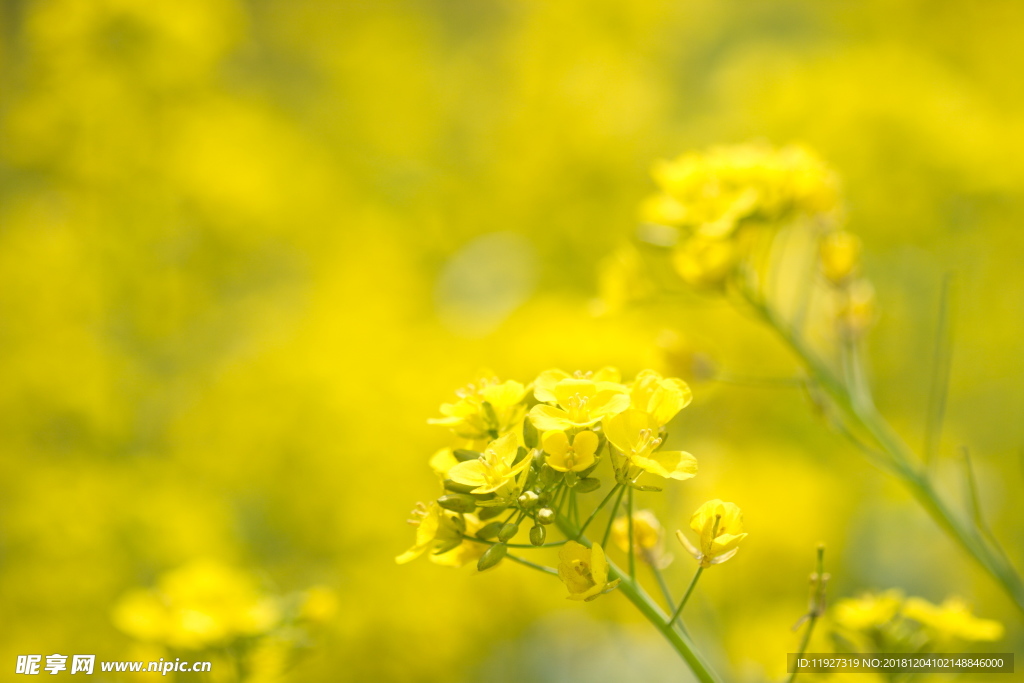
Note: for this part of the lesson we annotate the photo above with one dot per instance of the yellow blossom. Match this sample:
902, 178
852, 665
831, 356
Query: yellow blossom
720, 528
635, 434
570, 457
437, 530
495, 467
840, 255
485, 409
584, 571
662, 398
703, 262
647, 537
580, 403
857, 310
607, 378
869, 611
466, 552
952, 620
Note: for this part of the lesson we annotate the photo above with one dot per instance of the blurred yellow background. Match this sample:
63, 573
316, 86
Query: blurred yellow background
247, 248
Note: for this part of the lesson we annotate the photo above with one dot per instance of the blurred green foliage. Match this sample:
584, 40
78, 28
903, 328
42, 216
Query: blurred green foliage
234, 283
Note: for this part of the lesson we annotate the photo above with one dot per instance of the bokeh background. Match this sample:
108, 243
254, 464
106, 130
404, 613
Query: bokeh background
247, 248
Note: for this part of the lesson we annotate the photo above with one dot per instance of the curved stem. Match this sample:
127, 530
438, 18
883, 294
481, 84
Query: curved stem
680, 642
903, 461
682, 603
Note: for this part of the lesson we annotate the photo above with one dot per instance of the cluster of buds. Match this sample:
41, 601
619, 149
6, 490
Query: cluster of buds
523, 454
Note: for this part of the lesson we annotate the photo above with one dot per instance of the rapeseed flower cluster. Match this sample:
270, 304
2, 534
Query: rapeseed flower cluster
891, 621
523, 454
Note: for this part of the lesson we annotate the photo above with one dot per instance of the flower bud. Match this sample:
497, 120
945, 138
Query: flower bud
492, 556
588, 485
528, 500
530, 436
538, 534
545, 515
508, 532
457, 502
463, 454
490, 531
455, 486
490, 513
840, 256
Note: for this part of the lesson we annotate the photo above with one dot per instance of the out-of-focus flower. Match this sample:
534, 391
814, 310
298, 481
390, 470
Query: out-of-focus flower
840, 255
684, 358
712, 193
704, 262
319, 604
574, 456
580, 403
857, 309
660, 397
606, 379
720, 528
635, 434
952, 620
199, 605
495, 467
648, 537
621, 280
869, 610
584, 571
486, 408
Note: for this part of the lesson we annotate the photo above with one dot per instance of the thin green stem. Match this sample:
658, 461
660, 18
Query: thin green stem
611, 518
553, 544
629, 516
599, 508
940, 376
679, 641
689, 590
532, 565
817, 607
905, 464
660, 578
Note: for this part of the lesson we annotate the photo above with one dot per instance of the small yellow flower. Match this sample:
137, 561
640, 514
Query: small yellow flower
634, 432
580, 403
720, 527
647, 537
857, 311
466, 552
495, 467
702, 262
436, 529
584, 571
470, 418
870, 611
840, 255
662, 398
607, 378
570, 457
952, 620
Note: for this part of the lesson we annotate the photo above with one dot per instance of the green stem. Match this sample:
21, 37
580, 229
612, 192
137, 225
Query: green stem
532, 565
629, 516
689, 590
816, 610
611, 518
904, 467
680, 642
660, 578
599, 508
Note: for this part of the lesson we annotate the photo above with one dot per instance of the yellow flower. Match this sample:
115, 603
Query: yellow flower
495, 467
607, 378
202, 604
466, 552
869, 611
485, 409
661, 398
580, 403
634, 432
584, 571
857, 310
720, 527
702, 262
647, 537
574, 457
840, 255
436, 529
952, 620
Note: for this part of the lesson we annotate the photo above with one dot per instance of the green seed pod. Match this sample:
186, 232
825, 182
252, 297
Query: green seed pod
508, 532
588, 485
490, 531
538, 534
456, 487
457, 502
490, 513
528, 500
462, 454
545, 515
530, 436
492, 556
